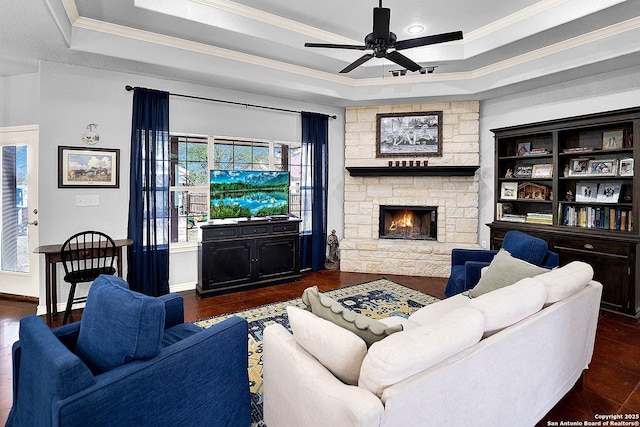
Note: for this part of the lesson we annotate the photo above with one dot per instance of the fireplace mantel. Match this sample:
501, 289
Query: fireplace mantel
413, 170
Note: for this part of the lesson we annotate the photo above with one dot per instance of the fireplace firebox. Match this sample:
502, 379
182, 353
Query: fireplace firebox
408, 222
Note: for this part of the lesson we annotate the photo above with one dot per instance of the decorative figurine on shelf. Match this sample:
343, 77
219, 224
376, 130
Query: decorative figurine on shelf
333, 261
566, 170
569, 196
509, 173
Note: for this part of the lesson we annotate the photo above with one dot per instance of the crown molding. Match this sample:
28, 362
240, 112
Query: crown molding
278, 21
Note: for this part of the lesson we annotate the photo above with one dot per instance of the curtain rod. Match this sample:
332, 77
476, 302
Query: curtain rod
243, 104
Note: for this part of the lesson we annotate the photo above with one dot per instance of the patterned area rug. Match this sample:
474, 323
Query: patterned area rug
377, 299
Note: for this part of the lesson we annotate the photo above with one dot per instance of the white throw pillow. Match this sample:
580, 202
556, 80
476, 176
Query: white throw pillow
506, 306
435, 311
564, 281
339, 350
406, 353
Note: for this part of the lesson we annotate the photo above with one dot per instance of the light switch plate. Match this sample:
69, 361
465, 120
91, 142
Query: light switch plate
88, 200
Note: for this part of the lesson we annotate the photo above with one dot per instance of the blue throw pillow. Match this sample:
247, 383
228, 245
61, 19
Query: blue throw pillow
118, 325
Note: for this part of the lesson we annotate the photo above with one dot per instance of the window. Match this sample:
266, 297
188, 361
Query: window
190, 160
189, 187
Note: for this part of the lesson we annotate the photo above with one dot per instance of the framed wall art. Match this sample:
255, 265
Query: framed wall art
542, 171
603, 167
509, 191
609, 192
586, 191
579, 167
626, 167
409, 134
80, 167
612, 139
523, 148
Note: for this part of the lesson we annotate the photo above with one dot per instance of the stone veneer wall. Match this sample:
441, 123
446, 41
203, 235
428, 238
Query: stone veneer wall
456, 197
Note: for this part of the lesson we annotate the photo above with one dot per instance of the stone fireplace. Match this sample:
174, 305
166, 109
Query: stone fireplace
452, 199
408, 222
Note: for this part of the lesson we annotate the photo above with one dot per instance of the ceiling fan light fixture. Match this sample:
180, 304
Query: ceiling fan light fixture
415, 29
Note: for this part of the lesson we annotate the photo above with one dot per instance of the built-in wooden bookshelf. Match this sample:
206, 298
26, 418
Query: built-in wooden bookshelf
574, 182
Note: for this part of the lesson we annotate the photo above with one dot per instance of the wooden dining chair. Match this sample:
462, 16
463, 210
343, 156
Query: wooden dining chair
85, 256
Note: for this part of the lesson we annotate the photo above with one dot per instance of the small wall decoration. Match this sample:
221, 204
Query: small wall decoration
509, 191
409, 134
613, 139
586, 191
626, 167
603, 167
80, 167
542, 171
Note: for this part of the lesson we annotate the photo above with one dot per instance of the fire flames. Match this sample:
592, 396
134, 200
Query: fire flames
404, 220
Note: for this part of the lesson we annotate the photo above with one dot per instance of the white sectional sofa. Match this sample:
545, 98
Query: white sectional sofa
502, 359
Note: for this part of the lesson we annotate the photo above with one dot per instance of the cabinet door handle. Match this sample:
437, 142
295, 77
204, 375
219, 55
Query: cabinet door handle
588, 246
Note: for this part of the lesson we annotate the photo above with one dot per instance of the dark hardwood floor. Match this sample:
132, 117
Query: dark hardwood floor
610, 386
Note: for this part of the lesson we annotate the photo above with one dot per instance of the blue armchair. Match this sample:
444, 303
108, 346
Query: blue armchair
131, 360
466, 264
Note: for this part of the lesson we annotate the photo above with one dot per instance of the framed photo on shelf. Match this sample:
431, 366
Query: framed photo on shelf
82, 167
609, 192
603, 167
523, 171
523, 148
612, 139
578, 166
509, 191
542, 171
409, 134
626, 167
586, 191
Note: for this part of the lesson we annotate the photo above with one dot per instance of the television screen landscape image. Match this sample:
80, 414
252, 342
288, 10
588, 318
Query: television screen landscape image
238, 194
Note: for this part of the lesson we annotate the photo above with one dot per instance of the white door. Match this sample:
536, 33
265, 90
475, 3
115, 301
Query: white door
19, 265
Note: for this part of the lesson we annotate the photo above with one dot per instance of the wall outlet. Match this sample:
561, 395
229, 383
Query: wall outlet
484, 244
88, 200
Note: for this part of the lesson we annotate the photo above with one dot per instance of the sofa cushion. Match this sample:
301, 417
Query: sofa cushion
370, 330
406, 353
339, 350
118, 325
432, 312
504, 270
506, 306
525, 247
564, 281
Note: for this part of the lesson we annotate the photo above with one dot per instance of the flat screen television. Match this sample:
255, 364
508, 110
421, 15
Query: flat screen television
238, 194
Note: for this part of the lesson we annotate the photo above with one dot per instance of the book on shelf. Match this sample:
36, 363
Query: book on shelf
539, 218
598, 217
513, 217
537, 151
579, 149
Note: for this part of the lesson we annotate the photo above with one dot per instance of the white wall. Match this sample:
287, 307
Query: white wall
610, 91
20, 104
71, 97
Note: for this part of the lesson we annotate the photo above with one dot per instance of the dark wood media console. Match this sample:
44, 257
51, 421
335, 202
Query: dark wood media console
247, 254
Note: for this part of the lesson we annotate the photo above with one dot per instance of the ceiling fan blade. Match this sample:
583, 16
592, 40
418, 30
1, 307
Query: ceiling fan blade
357, 63
402, 61
381, 18
427, 40
336, 46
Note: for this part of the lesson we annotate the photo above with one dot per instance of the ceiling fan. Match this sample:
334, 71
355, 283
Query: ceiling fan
381, 40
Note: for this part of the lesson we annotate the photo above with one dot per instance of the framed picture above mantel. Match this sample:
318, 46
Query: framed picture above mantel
409, 134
